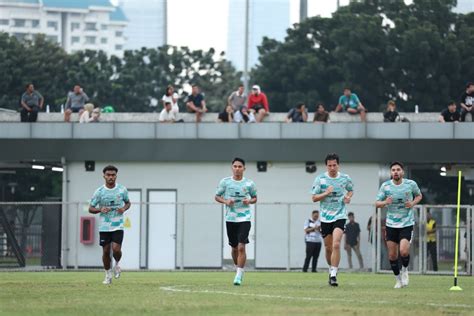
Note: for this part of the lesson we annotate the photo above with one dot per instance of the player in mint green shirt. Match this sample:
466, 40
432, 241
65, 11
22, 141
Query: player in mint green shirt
333, 190
350, 102
399, 196
110, 201
237, 193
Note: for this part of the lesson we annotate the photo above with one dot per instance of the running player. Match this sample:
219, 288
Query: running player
111, 201
237, 193
334, 190
399, 196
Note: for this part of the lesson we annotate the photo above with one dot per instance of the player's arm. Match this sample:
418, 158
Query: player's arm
125, 207
321, 196
382, 199
94, 210
416, 200
348, 197
220, 199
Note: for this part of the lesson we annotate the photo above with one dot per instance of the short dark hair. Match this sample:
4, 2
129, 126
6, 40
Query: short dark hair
239, 160
347, 88
167, 103
397, 163
28, 85
241, 85
469, 84
331, 156
110, 168
451, 103
315, 211
350, 214
299, 105
194, 85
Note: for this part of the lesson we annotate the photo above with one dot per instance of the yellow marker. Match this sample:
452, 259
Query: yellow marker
127, 223
456, 249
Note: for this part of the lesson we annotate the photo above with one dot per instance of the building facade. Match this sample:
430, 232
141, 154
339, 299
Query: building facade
74, 25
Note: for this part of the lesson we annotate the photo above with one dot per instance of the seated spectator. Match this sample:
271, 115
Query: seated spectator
298, 114
391, 114
321, 115
196, 103
75, 102
31, 102
451, 114
87, 115
172, 97
244, 116
467, 101
167, 115
258, 103
227, 116
96, 115
350, 102
237, 98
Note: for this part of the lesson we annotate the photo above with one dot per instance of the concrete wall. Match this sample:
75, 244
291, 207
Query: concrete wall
196, 183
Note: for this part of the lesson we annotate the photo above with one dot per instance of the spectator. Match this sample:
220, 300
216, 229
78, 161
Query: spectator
87, 116
391, 114
75, 102
237, 98
431, 240
451, 114
96, 114
467, 101
167, 115
313, 241
321, 115
298, 114
31, 102
352, 240
171, 97
244, 116
196, 103
227, 115
258, 103
350, 102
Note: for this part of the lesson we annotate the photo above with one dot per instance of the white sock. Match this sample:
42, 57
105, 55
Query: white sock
117, 263
398, 277
404, 269
108, 272
240, 271
333, 271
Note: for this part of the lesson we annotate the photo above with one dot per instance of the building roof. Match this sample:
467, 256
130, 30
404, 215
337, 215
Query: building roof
118, 15
20, 1
76, 4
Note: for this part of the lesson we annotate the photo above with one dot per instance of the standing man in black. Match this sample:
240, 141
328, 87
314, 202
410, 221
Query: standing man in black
31, 102
313, 240
352, 240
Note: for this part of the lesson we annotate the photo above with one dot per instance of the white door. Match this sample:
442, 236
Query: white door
131, 227
161, 230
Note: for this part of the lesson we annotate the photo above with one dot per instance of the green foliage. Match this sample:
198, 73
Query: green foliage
128, 83
423, 55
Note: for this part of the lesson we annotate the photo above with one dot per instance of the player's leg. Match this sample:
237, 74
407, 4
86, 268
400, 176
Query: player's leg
243, 230
393, 255
406, 234
337, 234
328, 248
117, 238
105, 242
233, 241
235, 255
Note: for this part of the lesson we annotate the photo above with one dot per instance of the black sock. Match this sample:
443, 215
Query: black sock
405, 261
395, 267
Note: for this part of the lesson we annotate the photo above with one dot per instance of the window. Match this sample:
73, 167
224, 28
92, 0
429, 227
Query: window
75, 39
19, 22
75, 14
53, 25
90, 27
118, 33
90, 39
104, 27
52, 38
4, 22
35, 24
75, 26
118, 47
103, 40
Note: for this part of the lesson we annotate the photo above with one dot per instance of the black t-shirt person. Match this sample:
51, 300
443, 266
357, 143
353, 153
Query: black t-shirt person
467, 99
352, 231
451, 116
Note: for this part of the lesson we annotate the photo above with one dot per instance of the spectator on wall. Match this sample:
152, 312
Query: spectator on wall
258, 103
31, 102
237, 98
467, 101
244, 116
196, 103
321, 115
87, 116
172, 97
350, 102
451, 114
167, 115
76, 99
298, 114
226, 116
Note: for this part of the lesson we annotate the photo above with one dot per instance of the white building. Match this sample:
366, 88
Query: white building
74, 25
464, 6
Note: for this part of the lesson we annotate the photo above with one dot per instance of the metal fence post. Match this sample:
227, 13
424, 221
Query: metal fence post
181, 237
288, 267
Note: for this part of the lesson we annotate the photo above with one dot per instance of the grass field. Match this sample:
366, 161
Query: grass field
212, 293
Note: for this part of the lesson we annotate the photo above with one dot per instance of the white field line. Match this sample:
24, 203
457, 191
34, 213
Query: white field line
183, 289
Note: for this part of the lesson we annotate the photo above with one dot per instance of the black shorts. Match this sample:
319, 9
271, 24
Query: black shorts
328, 228
258, 107
238, 233
108, 237
76, 110
397, 234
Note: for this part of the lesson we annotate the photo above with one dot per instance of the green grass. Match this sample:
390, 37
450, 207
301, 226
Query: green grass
212, 293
